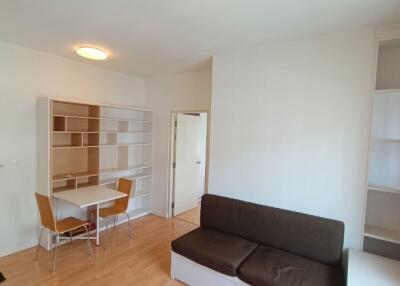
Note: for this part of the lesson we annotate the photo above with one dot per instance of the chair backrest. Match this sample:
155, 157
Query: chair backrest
46, 212
124, 186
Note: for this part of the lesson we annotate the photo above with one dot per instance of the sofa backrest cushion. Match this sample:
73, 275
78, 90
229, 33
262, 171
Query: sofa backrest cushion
313, 237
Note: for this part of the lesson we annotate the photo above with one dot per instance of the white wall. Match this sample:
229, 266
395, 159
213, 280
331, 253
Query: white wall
26, 74
290, 125
181, 92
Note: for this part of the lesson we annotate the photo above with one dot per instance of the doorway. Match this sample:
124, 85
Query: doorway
188, 164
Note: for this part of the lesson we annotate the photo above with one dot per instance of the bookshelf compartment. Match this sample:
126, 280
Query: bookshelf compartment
114, 159
125, 114
114, 125
67, 140
75, 124
134, 138
140, 126
74, 162
87, 181
139, 155
59, 123
123, 126
381, 247
108, 139
75, 109
66, 185
383, 211
384, 166
108, 125
91, 139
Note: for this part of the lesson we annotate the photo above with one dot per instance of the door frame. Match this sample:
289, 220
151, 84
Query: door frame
171, 156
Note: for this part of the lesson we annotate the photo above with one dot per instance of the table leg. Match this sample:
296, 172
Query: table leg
97, 225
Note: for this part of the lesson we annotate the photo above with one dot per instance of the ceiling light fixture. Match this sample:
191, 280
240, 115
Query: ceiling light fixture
91, 53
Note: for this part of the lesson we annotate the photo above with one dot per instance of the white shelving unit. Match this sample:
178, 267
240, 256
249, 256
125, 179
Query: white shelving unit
83, 144
382, 211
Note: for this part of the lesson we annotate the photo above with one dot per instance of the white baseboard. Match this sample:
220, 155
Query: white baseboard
16, 248
194, 274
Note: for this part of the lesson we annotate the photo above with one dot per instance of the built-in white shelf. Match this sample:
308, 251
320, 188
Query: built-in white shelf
130, 168
385, 189
141, 194
381, 233
102, 145
105, 132
72, 147
384, 91
130, 177
103, 118
65, 177
387, 140
135, 144
139, 176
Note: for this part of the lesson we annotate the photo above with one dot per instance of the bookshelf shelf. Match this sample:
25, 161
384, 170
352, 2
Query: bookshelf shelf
384, 189
382, 233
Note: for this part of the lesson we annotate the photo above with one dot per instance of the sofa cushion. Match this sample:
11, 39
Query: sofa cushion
309, 236
272, 267
213, 249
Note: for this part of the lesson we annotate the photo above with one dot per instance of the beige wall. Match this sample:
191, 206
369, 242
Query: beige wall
190, 91
26, 74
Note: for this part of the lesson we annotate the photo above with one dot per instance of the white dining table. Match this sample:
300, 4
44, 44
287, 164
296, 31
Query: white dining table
90, 196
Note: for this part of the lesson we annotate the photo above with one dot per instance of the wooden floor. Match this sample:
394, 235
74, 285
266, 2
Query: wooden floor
147, 262
192, 216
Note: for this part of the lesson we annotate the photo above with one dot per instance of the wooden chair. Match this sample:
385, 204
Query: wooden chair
63, 226
119, 207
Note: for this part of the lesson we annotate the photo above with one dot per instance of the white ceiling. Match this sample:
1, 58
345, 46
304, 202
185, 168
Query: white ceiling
156, 37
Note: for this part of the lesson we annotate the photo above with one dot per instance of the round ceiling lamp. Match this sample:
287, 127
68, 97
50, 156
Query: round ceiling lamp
91, 53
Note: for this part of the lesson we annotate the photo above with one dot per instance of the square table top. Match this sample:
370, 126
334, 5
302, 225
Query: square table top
89, 196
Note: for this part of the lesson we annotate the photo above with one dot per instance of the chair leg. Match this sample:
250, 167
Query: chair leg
105, 242
88, 241
114, 221
91, 221
55, 252
130, 227
38, 245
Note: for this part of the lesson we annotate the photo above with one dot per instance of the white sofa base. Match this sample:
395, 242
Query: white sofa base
194, 274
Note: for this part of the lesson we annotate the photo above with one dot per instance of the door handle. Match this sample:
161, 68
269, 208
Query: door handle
198, 162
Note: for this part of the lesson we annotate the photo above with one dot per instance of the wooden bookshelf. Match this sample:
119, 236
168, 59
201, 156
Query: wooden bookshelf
84, 144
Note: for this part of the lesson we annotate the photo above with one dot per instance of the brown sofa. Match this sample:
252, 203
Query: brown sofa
262, 245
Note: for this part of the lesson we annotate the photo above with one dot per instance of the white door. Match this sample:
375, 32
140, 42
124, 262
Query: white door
186, 181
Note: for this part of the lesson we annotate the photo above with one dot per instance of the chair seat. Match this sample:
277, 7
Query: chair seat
108, 211
272, 267
70, 223
216, 250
